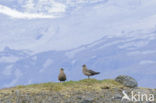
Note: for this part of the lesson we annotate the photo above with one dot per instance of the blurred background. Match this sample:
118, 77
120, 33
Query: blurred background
38, 37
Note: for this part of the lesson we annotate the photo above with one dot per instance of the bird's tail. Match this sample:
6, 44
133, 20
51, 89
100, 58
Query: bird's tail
97, 73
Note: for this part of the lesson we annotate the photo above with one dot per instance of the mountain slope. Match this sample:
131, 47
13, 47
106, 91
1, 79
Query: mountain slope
76, 27
112, 37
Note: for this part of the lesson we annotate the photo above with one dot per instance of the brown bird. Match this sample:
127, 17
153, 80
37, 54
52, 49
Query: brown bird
88, 72
62, 75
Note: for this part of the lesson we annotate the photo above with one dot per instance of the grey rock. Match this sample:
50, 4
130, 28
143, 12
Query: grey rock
117, 96
127, 81
79, 97
87, 100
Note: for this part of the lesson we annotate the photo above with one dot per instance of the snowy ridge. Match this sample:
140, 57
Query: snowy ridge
16, 14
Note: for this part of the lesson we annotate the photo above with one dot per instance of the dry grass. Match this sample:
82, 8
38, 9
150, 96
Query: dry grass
86, 84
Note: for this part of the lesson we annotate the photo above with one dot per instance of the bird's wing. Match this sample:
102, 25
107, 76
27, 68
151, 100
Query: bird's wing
91, 71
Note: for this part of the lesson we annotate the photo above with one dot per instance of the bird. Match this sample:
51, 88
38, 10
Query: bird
88, 72
62, 75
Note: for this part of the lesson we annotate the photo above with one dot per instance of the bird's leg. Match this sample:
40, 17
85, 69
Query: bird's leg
88, 77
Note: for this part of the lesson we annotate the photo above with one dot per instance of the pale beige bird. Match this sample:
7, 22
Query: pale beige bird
88, 72
62, 75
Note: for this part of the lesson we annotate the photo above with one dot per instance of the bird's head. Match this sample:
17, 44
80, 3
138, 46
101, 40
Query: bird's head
61, 69
84, 65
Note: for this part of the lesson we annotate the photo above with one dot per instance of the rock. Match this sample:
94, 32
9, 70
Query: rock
127, 81
87, 100
79, 97
117, 96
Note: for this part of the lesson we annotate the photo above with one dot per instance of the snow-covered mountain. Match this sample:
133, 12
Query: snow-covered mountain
111, 36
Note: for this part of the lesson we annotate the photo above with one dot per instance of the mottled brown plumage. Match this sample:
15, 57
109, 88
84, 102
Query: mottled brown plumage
88, 72
62, 75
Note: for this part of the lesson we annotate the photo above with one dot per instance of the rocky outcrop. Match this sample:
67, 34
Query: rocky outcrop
127, 81
84, 91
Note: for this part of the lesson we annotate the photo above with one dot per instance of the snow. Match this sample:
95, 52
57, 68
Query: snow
89, 24
17, 74
16, 14
8, 70
111, 36
9, 59
47, 63
141, 52
144, 62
